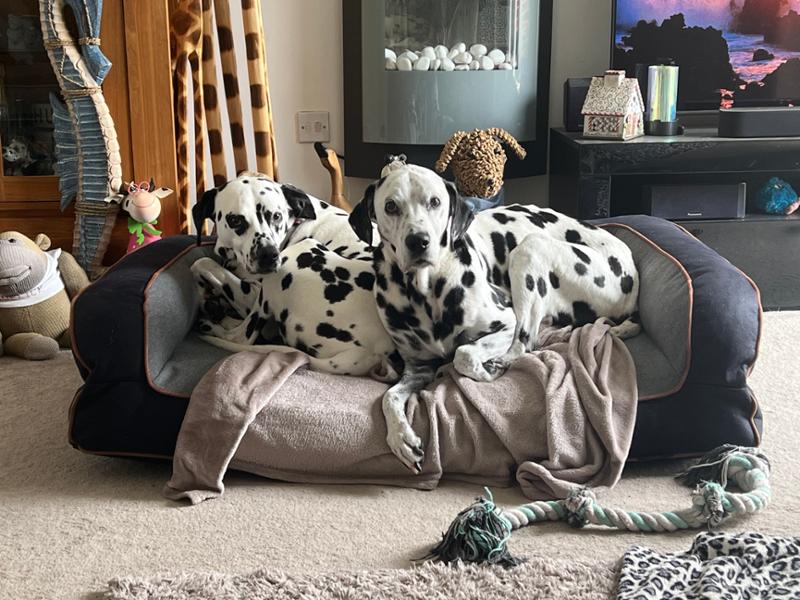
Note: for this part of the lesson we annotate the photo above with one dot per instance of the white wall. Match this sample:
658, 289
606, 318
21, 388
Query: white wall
304, 54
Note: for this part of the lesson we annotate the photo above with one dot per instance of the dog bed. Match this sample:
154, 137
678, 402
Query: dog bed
140, 358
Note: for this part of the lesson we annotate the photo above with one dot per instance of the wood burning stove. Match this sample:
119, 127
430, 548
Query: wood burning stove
417, 71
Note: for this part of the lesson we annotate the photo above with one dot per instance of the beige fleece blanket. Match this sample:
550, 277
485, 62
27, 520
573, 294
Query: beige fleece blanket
560, 416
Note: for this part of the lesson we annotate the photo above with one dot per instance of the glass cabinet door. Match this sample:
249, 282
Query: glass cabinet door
26, 118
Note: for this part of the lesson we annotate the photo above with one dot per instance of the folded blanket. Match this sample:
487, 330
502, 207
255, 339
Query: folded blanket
560, 416
719, 565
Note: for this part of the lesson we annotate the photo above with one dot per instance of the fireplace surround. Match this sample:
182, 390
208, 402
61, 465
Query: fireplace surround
417, 71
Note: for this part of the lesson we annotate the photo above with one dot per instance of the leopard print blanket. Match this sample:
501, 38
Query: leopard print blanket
719, 565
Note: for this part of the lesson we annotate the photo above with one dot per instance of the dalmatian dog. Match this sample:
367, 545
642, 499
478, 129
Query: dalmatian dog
324, 306
255, 217
473, 289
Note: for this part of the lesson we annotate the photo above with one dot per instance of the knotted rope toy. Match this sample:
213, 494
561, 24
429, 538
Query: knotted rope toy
480, 533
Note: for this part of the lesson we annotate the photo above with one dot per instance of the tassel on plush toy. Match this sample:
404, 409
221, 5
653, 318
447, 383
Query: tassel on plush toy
142, 202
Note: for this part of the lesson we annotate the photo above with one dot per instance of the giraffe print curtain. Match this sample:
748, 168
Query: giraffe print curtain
216, 44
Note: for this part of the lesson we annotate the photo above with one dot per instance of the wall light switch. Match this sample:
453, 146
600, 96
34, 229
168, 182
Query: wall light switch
313, 126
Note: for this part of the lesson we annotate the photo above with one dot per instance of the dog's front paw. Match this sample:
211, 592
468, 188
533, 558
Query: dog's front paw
406, 445
470, 365
204, 270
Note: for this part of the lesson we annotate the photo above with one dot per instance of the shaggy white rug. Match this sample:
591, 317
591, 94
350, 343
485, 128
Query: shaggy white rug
70, 522
539, 578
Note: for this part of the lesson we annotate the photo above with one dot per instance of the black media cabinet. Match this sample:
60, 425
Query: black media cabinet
601, 178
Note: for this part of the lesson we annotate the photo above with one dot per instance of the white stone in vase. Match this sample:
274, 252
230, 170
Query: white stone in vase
391, 64
389, 53
404, 64
474, 65
477, 50
453, 53
412, 56
441, 51
423, 64
487, 64
448, 65
436, 64
460, 46
505, 66
429, 52
498, 56
462, 67
464, 58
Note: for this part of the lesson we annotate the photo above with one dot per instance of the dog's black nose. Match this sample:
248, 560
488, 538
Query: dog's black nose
417, 243
267, 259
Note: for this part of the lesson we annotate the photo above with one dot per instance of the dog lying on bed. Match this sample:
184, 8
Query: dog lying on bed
451, 285
255, 218
323, 305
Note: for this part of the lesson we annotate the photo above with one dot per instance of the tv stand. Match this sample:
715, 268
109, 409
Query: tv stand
601, 178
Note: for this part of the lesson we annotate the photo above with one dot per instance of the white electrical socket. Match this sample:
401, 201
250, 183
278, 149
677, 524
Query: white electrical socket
313, 126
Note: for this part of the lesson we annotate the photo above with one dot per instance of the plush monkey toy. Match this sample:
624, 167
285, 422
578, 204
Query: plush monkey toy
36, 287
478, 160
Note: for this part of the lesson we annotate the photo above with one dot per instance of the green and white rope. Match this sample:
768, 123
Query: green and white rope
481, 532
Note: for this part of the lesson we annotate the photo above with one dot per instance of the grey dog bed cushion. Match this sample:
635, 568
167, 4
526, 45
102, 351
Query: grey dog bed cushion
140, 358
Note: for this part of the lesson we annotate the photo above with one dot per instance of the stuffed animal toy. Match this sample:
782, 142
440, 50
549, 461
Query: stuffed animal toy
142, 202
478, 160
392, 162
777, 197
36, 287
17, 157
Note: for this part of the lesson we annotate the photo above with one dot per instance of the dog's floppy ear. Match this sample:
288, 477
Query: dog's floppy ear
204, 209
298, 201
361, 217
461, 214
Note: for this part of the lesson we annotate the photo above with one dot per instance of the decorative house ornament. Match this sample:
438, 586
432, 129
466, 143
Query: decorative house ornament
614, 108
88, 162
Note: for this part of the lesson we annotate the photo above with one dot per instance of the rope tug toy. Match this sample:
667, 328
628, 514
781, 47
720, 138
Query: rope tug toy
480, 533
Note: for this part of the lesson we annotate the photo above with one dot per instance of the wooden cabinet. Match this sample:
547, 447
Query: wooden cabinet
138, 91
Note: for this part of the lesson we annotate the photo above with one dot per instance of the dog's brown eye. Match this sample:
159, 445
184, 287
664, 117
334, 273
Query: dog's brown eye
277, 217
435, 202
391, 207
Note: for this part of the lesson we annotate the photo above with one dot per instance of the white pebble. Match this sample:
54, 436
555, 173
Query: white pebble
436, 64
391, 64
404, 64
474, 65
498, 56
441, 51
462, 67
410, 56
463, 59
453, 53
423, 64
389, 53
487, 64
460, 46
447, 64
429, 52
505, 66
477, 50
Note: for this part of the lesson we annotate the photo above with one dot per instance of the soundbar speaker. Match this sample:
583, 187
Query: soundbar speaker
776, 121
685, 202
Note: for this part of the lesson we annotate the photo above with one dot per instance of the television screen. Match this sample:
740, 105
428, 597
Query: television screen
730, 52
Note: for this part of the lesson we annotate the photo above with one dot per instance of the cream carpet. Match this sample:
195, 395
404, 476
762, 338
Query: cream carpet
69, 522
